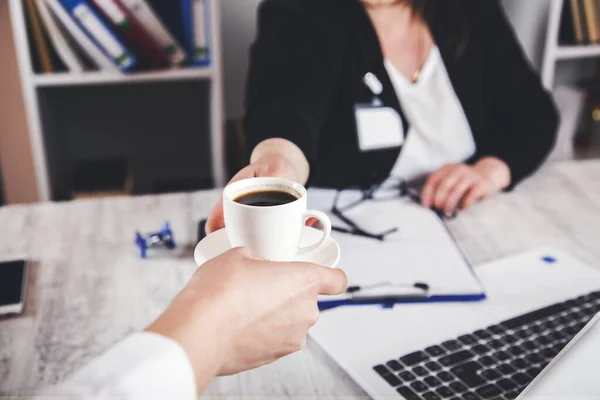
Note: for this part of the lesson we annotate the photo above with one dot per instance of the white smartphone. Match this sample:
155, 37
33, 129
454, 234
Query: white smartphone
13, 286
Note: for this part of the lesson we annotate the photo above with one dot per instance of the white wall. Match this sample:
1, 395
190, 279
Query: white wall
529, 18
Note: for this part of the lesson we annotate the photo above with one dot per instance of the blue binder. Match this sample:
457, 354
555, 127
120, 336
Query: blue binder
198, 56
93, 27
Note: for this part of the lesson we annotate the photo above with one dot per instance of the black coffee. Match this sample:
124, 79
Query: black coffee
268, 198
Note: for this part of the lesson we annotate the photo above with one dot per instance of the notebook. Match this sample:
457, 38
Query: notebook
422, 253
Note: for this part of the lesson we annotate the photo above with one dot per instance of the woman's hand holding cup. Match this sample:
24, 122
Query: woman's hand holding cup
268, 167
273, 158
268, 216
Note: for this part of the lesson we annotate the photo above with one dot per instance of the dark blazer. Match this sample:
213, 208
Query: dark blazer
306, 72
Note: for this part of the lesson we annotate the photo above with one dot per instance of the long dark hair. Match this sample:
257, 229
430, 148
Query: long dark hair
454, 11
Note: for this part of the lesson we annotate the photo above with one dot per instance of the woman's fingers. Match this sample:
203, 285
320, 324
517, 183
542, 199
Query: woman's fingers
249, 172
447, 185
456, 194
216, 218
474, 195
430, 189
267, 167
453, 186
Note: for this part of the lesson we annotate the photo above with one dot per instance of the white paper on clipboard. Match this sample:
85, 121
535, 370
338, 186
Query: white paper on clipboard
423, 250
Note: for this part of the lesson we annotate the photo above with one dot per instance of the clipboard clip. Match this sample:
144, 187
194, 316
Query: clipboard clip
391, 291
384, 293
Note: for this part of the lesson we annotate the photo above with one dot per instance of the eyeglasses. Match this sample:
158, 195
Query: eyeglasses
374, 193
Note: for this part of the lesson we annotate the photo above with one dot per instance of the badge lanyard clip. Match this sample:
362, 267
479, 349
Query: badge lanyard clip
375, 86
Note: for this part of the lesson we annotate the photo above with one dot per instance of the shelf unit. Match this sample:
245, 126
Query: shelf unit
573, 52
554, 52
99, 78
35, 87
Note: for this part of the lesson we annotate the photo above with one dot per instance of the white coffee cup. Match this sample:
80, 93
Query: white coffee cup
271, 232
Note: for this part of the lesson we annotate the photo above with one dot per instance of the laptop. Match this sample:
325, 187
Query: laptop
574, 372
537, 303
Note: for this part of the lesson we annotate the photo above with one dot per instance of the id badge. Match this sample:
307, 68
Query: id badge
378, 128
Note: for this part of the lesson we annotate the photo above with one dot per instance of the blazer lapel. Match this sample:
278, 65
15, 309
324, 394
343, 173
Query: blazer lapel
370, 55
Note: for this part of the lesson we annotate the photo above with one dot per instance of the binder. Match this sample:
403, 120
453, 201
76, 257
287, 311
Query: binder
597, 17
132, 32
576, 17
591, 17
572, 26
59, 42
171, 15
196, 28
44, 63
154, 25
583, 22
108, 42
419, 263
87, 45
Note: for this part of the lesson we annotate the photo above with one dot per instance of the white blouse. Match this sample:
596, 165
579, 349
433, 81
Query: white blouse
439, 132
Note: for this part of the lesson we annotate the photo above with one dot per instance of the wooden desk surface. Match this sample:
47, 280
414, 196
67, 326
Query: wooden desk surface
89, 288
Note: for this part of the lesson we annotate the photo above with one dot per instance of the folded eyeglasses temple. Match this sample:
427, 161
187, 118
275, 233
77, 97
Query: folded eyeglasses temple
356, 230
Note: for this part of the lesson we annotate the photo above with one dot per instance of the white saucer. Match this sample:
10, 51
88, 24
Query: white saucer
327, 255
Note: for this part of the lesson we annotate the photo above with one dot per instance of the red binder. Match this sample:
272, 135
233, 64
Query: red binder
133, 33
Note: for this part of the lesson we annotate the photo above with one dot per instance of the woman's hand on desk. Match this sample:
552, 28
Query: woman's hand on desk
277, 158
239, 312
457, 186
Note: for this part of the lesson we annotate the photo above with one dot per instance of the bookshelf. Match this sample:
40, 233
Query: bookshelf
573, 52
166, 118
555, 52
98, 78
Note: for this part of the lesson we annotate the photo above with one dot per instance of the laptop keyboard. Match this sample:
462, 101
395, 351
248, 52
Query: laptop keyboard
497, 362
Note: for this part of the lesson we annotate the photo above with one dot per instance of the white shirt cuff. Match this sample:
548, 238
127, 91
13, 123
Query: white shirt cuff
143, 366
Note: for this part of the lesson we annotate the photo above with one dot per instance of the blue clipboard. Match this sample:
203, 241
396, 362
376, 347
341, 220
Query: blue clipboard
391, 302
